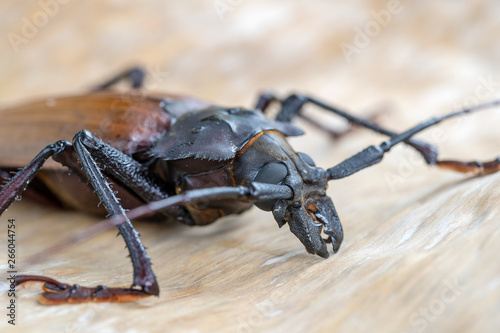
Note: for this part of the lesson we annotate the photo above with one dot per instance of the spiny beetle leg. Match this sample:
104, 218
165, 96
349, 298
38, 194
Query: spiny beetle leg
17, 184
121, 167
143, 273
57, 293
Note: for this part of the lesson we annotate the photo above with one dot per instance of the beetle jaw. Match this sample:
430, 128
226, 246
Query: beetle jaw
310, 222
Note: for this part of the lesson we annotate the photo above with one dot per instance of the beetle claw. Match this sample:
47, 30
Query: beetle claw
323, 252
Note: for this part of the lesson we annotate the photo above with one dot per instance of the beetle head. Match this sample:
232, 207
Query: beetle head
310, 214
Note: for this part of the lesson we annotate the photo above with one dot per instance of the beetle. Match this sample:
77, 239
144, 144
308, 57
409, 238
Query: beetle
199, 161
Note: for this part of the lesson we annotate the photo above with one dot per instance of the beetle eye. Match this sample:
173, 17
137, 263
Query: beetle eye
271, 173
307, 159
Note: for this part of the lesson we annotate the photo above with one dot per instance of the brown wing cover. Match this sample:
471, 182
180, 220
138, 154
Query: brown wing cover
128, 121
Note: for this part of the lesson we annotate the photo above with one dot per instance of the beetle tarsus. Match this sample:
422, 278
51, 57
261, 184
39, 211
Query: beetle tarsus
56, 292
477, 167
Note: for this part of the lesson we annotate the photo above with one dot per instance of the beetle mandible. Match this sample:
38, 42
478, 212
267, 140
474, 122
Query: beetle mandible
207, 161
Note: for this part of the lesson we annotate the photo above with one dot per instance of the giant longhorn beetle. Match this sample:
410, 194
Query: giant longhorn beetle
194, 162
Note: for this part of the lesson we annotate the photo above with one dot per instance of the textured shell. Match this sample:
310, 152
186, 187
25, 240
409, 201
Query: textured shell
216, 133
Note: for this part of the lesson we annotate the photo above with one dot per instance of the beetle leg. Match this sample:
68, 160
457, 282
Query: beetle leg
36, 191
126, 171
61, 293
266, 99
374, 154
121, 167
143, 273
478, 167
23, 177
291, 107
135, 75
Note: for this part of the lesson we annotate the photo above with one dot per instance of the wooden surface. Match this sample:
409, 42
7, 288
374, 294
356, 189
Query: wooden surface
421, 245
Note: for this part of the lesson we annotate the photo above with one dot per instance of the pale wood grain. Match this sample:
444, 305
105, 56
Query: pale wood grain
421, 245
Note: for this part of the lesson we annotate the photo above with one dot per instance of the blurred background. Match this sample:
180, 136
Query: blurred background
404, 60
